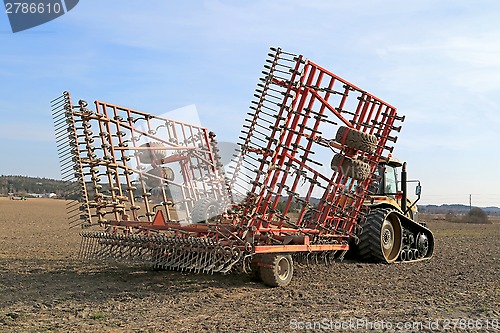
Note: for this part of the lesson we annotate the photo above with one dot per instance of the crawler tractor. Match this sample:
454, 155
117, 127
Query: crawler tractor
312, 180
391, 231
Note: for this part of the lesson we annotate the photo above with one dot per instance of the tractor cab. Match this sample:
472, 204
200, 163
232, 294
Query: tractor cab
390, 187
388, 181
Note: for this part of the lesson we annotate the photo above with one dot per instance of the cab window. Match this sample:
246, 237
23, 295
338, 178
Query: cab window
391, 182
386, 185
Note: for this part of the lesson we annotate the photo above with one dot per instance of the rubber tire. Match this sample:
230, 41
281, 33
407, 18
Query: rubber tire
148, 156
356, 139
422, 245
351, 168
163, 172
202, 210
371, 247
281, 271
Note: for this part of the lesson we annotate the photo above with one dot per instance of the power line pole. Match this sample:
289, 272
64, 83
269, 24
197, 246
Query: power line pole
470, 202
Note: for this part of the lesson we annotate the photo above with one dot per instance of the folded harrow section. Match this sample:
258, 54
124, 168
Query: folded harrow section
128, 165
138, 178
309, 150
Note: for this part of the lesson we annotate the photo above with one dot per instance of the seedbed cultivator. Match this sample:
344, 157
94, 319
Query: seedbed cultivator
297, 188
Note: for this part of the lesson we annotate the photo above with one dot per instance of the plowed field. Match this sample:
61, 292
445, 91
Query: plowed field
45, 288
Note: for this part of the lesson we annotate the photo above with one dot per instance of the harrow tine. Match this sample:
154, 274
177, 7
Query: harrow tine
83, 244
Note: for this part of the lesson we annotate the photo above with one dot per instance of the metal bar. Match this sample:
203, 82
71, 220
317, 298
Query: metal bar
260, 249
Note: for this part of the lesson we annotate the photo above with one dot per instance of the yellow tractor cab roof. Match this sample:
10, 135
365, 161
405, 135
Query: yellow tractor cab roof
392, 161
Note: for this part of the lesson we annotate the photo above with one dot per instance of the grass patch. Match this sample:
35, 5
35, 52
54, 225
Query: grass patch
96, 316
483, 308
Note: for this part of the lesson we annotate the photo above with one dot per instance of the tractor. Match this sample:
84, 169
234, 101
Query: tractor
390, 231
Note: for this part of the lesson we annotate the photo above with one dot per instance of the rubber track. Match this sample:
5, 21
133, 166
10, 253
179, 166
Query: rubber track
369, 248
415, 228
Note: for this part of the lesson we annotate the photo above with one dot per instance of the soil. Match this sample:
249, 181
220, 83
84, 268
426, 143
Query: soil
44, 287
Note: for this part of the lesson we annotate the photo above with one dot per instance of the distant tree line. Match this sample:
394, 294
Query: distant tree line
455, 209
21, 185
476, 215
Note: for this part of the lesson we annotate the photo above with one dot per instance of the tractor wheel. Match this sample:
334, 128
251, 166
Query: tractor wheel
356, 139
150, 155
278, 270
351, 168
381, 237
204, 210
422, 245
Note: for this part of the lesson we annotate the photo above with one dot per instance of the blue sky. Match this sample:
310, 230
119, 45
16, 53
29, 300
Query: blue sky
438, 62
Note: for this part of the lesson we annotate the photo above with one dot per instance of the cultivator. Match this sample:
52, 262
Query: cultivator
307, 158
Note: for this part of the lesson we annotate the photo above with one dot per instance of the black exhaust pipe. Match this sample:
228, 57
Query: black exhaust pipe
404, 187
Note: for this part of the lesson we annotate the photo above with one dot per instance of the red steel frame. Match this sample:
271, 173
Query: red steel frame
295, 102
104, 158
293, 204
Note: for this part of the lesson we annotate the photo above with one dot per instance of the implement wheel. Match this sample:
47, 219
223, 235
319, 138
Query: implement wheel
154, 154
356, 139
277, 270
205, 210
381, 238
164, 173
355, 169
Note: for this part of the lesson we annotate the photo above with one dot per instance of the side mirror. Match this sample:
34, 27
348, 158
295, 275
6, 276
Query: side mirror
418, 190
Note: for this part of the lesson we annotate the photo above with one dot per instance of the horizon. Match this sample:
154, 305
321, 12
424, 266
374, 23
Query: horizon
418, 203
435, 62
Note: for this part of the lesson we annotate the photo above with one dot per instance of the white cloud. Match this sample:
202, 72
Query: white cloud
477, 50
